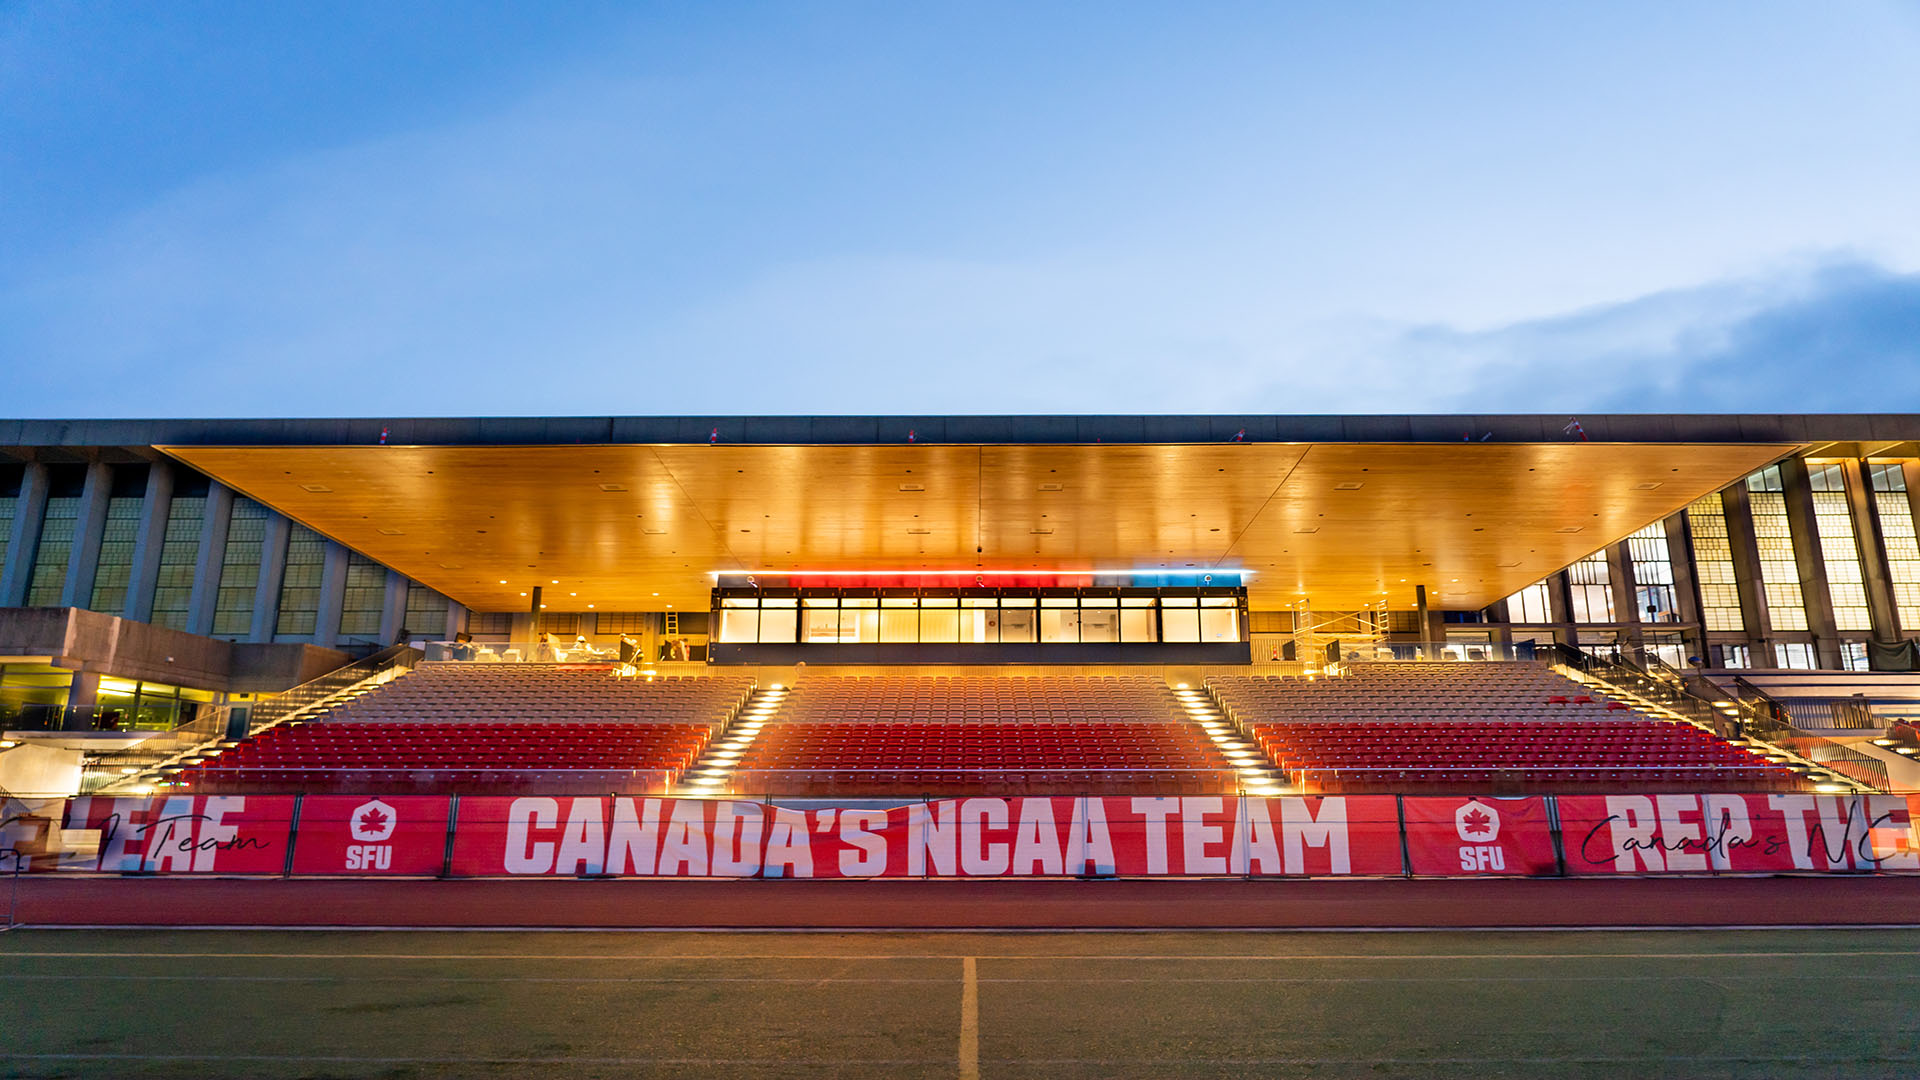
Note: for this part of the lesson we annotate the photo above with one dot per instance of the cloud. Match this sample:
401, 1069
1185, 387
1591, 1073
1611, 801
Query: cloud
1840, 335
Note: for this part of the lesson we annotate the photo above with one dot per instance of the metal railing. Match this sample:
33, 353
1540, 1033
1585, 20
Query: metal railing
1747, 714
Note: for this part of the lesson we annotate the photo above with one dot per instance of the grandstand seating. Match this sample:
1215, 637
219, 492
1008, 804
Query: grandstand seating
993, 758
1471, 755
1471, 726
981, 734
983, 699
545, 693
1493, 690
451, 756
489, 727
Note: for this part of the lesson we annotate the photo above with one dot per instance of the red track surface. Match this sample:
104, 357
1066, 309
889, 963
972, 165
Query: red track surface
908, 905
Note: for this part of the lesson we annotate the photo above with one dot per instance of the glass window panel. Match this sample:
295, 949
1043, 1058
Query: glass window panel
300, 585
980, 601
115, 566
1220, 624
860, 624
899, 601
1016, 601
1218, 601
1136, 601
940, 624
1016, 625
779, 601
1059, 624
179, 551
777, 625
1179, 601
859, 601
739, 601
1099, 601
979, 625
1179, 624
1833, 522
939, 601
822, 601
1136, 624
897, 625
1779, 570
823, 626
1530, 605
1100, 624
1713, 563
365, 599
426, 615
739, 625
240, 569
49, 578
1059, 601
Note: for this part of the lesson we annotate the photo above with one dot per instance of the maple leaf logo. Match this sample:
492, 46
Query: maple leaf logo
1475, 823
371, 822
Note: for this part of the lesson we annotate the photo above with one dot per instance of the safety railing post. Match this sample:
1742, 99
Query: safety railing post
446, 853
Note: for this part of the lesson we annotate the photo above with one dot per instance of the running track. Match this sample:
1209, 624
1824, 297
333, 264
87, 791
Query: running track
50, 900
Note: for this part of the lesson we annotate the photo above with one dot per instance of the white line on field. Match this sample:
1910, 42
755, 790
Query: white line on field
969, 1019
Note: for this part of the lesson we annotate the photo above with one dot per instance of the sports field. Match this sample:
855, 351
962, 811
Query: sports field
1770, 1003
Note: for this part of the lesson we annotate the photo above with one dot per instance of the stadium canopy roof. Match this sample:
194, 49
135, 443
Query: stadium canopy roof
636, 513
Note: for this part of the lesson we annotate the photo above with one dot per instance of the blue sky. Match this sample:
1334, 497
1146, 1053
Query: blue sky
468, 208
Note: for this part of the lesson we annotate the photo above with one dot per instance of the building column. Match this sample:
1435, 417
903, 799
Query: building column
1745, 549
393, 611
1873, 551
148, 542
1686, 584
273, 573
456, 620
213, 556
333, 595
1804, 525
89, 527
23, 542
82, 696
1626, 606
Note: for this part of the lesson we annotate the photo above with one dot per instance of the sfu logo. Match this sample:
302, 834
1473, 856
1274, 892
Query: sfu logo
371, 822
1479, 825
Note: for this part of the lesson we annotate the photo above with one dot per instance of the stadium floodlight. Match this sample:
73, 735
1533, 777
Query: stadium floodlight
1905, 750
1830, 789
1883, 742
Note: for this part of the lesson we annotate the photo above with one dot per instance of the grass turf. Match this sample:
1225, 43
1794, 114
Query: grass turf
428, 1005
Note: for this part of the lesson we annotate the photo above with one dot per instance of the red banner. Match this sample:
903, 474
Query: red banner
1456, 836
371, 834
979, 837
186, 834
1736, 834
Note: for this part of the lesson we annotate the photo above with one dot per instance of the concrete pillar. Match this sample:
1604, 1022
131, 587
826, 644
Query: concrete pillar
1686, 585
147, 543
1813, 567
456, 620
1873, 552
29, 512
89, 526
393, 611
1626, 608
82, 696
333, 595
1746, 569
273, 573
213, 555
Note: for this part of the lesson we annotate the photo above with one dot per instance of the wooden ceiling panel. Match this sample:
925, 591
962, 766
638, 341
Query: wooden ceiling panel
640, 527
